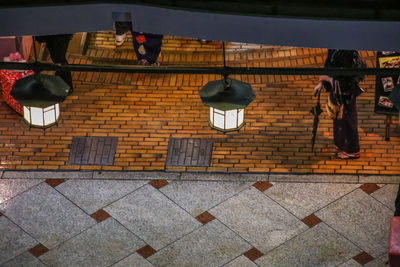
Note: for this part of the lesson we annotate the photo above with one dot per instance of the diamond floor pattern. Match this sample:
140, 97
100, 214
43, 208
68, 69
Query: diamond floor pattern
284, 224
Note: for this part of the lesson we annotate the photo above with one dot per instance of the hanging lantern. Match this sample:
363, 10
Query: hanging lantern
227, 99
229, 120
40, 94
42, 117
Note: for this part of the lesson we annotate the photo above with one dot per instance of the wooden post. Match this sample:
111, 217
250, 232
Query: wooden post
388, 122
83, 45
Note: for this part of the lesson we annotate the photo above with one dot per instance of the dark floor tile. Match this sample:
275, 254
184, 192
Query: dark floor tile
363, 258
54, 182
189, 152
158, 183
100, 215
262, 185
93, 150
146, 251
253, 254
369, 188
205, 217
38, 250
311, 220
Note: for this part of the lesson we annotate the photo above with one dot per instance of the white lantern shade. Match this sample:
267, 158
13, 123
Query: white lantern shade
225, 121
42, 117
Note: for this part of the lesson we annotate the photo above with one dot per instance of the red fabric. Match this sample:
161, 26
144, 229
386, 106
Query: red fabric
141, 39
7, 80
394, 242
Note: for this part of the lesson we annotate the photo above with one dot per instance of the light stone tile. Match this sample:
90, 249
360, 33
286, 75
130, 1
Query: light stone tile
25, 259
13, 240
152, 216
313, 178
48, 174
303, 199
241, 261
387, 195
9, 188
199, 196
258, 219
350, 263
101, 245
46, 215
211, 245
318, 246
133, 260
381, 261
385, 179
362, 219
135, 175
224, 176
92, 195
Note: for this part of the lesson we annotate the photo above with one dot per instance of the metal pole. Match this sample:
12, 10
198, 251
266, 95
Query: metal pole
200, 70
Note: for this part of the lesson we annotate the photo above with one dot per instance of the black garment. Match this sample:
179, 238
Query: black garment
345, 59
397, 203
122, 27
58, 45
345, 130
147, 46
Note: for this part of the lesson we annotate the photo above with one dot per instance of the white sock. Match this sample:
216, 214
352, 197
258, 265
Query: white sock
120, 38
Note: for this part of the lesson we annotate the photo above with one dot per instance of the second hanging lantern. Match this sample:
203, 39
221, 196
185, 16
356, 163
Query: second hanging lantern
227, 99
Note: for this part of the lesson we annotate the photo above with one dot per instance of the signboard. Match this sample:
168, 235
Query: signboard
385, 84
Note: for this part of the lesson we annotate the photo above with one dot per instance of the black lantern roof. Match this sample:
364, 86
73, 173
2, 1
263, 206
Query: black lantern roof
40, 90
227, 94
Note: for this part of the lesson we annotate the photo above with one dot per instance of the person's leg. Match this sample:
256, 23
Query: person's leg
153, 47
147, 47
351, 127
350, 130
138, 41
58, 45
339, 137
121, 28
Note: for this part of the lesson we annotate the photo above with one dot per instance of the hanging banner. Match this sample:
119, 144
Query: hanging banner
385, 84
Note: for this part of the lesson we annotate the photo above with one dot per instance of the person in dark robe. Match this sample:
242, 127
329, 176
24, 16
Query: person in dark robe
345, 130
58, 45
121, 28
147, 46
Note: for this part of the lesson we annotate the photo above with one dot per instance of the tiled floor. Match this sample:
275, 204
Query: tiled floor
64, 219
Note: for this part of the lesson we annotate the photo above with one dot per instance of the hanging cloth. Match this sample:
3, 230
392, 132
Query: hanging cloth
147, 46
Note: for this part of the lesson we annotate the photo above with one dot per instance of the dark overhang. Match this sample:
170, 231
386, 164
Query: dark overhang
358, 24
382, 10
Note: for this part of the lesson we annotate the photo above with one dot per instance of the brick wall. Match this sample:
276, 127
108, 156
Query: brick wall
170, 43
144, 111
